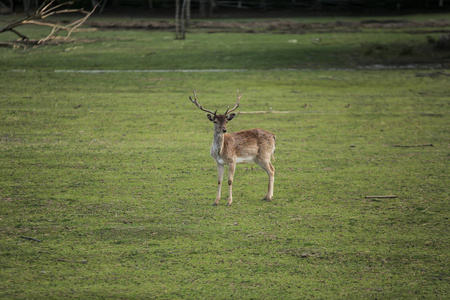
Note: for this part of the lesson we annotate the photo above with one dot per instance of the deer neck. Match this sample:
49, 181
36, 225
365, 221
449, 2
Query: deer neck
217, 145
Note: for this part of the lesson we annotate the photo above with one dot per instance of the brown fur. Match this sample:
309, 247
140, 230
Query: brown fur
253, 145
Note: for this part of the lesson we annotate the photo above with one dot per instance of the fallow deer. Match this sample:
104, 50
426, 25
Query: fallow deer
253, 145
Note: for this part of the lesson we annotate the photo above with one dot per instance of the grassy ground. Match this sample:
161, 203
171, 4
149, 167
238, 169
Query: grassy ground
336, 43
111, 173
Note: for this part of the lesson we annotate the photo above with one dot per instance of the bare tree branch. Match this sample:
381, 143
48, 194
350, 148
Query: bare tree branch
44, 11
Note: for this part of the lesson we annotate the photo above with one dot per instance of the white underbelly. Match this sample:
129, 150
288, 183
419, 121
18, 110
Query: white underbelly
244, 160
239, 160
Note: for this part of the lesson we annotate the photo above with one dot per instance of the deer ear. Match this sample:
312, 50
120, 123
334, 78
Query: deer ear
231, 117
210, 117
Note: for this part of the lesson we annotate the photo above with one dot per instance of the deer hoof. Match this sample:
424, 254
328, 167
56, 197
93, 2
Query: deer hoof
214, 204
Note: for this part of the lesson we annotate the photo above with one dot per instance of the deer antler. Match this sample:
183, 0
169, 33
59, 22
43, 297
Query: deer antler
199, 106
235, 106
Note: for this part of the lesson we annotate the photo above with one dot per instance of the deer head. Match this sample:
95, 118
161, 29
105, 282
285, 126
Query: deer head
220, 121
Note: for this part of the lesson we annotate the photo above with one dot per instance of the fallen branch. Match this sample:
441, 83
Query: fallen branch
266, 112
381, 196
72, 261
432, 75
46, 10
409, 146
30, 238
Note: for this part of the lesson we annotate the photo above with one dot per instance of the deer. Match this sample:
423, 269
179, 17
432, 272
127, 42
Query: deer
246, 146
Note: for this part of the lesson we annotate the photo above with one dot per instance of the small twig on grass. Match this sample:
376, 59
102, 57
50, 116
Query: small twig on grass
381, 196
266, 112
30, 238
409, 146
72, 261
435, 74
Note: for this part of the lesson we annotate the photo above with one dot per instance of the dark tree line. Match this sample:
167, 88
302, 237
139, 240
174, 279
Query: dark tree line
205, 8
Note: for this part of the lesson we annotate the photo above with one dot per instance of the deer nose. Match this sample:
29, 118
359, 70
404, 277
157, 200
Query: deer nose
224, 130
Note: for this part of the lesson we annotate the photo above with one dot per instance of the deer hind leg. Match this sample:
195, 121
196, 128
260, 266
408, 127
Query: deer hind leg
220, 169
231, 169
268, 167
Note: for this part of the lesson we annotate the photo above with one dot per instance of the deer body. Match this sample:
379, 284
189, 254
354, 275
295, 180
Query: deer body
241, 147
254, 145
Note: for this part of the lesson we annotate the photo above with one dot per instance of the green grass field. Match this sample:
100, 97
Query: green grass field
110, 172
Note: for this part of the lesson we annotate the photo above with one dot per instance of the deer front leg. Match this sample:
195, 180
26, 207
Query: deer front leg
220, 169
231, 169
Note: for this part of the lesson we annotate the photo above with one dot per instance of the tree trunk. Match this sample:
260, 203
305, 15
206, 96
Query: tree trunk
177, 19
98, 2
148, 4
212, 4
202, 9
26, 7
182, 20
182, 16
188, 12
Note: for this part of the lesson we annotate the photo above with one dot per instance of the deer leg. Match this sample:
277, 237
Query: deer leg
220, 169
231, 169
268, 167
271, 173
